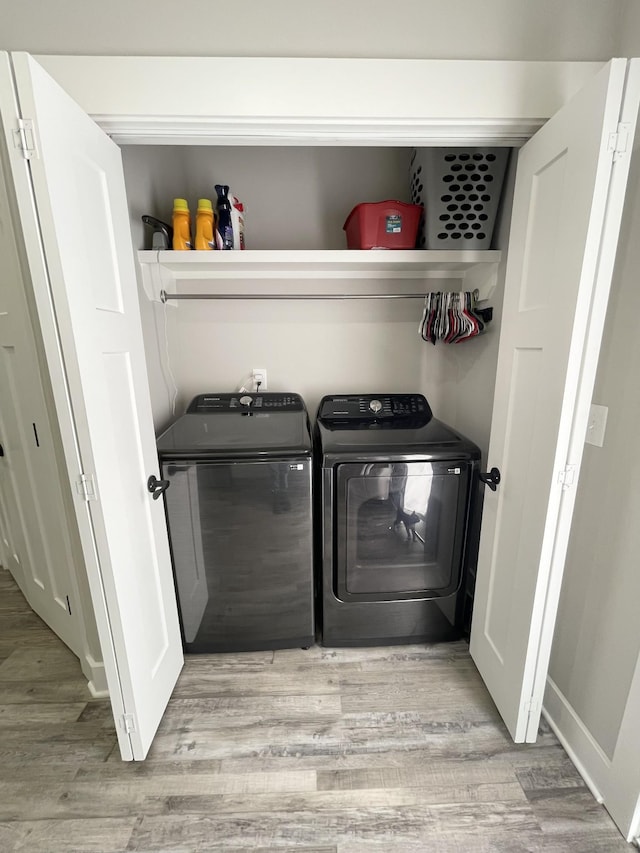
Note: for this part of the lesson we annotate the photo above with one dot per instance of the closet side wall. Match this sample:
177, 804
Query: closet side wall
595, 663
597, 639
143, 177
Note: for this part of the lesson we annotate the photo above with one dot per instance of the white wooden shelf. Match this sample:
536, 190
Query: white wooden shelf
271, 273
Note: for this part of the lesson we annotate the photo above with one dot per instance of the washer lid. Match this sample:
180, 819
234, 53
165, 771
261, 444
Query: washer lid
239, 431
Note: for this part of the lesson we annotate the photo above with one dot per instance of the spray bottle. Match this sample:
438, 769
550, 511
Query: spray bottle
225, 227
237, 222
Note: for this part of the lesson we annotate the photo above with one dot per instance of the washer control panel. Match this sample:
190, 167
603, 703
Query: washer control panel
242, 402
373, 407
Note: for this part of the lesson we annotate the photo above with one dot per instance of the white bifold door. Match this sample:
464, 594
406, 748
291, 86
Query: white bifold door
570, 183
71, 202
70, 193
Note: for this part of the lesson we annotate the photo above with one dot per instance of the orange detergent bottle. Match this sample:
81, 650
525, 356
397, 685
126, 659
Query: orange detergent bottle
181, 225
204, 225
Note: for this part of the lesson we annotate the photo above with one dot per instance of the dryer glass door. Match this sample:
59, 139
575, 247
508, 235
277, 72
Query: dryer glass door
401, 529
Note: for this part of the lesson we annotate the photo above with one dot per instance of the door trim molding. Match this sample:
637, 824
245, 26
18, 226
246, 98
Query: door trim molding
147, 99
256, 130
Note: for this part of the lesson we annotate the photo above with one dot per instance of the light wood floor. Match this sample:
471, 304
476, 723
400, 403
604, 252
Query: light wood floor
389, 750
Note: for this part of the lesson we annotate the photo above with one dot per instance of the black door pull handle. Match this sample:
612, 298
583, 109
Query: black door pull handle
1, 450
157, 487
491, 478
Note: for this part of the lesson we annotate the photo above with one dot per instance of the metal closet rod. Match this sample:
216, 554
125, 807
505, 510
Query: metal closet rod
164, 296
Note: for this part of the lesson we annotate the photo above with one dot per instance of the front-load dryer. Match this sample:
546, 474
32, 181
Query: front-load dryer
239, 468
396, 498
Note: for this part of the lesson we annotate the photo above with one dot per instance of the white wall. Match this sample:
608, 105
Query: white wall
628, 33
596, 646
493, 29
597, 638
296, 198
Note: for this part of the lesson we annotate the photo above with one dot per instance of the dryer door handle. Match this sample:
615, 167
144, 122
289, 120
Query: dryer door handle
491, 478
157, 487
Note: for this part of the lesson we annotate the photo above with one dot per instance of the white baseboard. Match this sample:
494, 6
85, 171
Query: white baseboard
92, 669
96, 677
590, 760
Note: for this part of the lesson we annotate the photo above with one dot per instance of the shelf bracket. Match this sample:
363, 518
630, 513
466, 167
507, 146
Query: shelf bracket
155, 279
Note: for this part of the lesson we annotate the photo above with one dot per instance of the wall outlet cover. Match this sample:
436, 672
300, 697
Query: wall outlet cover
259, 374
597, 425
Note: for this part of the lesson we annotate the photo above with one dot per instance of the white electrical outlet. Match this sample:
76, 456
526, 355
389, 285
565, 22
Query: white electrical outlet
259, 375
597, 425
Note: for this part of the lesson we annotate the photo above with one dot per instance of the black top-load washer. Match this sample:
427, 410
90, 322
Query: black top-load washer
239, 514
396, 494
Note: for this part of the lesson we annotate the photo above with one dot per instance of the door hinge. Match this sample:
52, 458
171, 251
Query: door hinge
566, 476
531, 706
86, 487
618, 142
128, 723
24, 138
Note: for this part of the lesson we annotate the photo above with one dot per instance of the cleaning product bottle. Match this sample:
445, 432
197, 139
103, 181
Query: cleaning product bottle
204, 225
225, 227
181, 224
237, 222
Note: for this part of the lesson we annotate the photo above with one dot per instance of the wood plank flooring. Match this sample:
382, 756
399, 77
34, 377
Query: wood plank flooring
386, 750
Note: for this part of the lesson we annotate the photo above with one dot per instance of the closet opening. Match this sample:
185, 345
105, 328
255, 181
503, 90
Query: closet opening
297, 198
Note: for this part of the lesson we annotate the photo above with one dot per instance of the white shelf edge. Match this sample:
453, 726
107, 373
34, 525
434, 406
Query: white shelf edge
325, 258
163, 270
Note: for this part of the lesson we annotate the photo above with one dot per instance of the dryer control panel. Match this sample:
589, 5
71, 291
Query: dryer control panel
220, 403
365, 408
